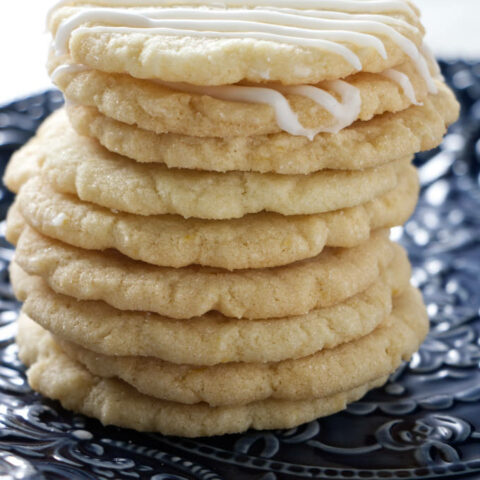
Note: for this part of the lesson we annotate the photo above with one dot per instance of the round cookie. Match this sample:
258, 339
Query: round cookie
363, 145
202, 113
57, 376
78, 165
53, 374
322, 374
255, 241
212, 338
295, 289
220, 57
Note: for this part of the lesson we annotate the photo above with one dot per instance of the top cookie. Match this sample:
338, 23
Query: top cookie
218, 43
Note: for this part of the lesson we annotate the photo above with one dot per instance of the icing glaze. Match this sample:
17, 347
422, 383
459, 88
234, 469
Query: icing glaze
388, 20
62, 69
278, 23
226, 24
345, 111
405, 83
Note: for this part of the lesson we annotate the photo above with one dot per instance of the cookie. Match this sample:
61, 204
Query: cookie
53, 374
15, 223
322, 374
56, 375
212, 338
23, 165
363, 145
78, 165
241, 44
294, 289
255, 241
201, 112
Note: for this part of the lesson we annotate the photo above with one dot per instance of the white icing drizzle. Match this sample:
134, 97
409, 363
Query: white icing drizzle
351, 16
65, 69
345, 112
336, 8
292, 26
405, 83
227, 26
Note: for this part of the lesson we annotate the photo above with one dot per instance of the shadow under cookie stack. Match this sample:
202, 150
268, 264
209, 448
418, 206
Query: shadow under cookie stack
202, 232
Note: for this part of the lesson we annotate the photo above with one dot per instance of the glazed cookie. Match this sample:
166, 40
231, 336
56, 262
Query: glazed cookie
255, 241
294, 289
220, 46
206, 111
363, 145
78, 165
211, 339
323, 374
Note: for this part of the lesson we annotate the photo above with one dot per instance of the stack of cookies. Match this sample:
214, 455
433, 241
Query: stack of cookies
203, 231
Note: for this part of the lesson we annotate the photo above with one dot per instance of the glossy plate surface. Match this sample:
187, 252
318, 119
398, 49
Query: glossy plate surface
425, 423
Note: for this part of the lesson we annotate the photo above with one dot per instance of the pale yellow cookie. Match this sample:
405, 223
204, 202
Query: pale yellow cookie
323, 374
255, 241
363, 145
112, 401
15, 223
163, 109
53, 374
23, 165
212, 338
294, 289
213, 59
78, 165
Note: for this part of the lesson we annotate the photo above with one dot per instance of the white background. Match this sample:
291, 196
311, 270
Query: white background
453, 30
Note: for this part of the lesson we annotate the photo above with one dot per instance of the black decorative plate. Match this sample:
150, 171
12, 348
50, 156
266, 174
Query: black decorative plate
425, 423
